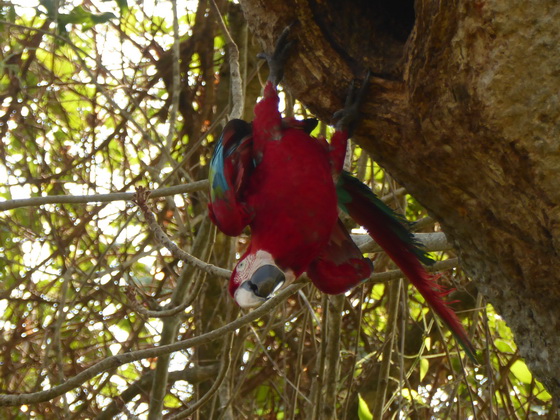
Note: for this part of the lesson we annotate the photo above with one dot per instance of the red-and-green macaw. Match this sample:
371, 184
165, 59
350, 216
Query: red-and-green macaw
273, 176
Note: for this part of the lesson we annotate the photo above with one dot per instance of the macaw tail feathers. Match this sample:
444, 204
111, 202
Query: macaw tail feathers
355, 194
390, 231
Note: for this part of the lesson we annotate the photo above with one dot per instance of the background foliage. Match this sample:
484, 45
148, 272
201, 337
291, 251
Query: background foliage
95, 99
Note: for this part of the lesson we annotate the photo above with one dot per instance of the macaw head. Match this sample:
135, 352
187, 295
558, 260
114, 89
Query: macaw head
256, 278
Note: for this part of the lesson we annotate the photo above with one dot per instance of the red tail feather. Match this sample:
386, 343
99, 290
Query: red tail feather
364, 212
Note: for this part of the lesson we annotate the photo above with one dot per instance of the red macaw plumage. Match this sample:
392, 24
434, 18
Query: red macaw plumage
273, 176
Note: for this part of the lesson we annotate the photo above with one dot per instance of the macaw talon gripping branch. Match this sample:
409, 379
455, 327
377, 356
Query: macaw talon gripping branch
277, 60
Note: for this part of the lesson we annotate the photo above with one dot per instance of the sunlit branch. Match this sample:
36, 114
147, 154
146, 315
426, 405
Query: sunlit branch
435, 241
101, 198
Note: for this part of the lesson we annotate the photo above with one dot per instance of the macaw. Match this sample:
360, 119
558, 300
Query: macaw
287, 186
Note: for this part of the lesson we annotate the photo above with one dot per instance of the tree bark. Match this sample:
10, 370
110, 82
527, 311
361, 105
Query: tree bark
464, 111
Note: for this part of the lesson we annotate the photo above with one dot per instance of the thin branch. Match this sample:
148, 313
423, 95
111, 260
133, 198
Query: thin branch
237, 94
171, 323
201, 247
226, 359
176, 88
354, 364
397, 274
57, 342
383, 380
336, 305
193, 375
113, 362
317, 389
164, 313
276, 367
101, 198
140, 198
435, 241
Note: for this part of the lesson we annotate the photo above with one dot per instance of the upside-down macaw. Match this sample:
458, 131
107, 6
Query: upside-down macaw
273, 176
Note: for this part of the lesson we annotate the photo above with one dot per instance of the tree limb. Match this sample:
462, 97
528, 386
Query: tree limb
101, 198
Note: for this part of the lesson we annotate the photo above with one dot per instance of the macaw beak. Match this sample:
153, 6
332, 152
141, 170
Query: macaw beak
266, 280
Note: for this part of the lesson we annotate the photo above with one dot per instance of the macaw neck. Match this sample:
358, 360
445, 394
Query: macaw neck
283, 258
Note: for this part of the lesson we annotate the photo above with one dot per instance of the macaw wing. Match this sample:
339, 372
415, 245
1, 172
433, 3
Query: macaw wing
230, 168
391, 232
341, 265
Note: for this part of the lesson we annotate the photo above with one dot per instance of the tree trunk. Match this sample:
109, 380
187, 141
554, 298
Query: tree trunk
464, 112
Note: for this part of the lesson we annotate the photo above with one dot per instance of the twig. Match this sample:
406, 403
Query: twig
383, 382
320, 376
101, 198
397, 274
176, 88
237, 95
226, 359
193, 375
113, 362
293, 407
277, 368
354, 364
57, 342
140, 199
336, 304
309, 307
202, 247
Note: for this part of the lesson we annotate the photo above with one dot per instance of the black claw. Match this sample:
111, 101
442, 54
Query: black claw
277, 60
347, 117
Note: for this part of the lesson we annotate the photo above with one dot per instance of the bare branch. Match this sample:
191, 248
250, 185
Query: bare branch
192, 375
435, 241
113, 362
101, 198
397, 274
141, 196
226, 358
237, 94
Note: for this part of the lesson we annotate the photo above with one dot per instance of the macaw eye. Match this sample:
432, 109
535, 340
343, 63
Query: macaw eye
241, 266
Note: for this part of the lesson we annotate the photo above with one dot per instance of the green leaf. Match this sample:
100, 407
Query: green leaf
504, 346
541, 393
79, 15
410, 394
363, 409
428, 343
377, 291
424, 366
50, 6
521, 371
123, 5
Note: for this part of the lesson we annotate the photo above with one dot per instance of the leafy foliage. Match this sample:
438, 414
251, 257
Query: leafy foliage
87, 98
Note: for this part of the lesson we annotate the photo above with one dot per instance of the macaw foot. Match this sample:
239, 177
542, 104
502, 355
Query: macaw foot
347, 118
277, 60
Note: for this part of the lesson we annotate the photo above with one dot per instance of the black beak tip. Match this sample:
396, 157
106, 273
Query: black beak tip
266, 280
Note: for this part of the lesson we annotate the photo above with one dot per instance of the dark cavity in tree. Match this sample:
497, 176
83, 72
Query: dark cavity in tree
380, 28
